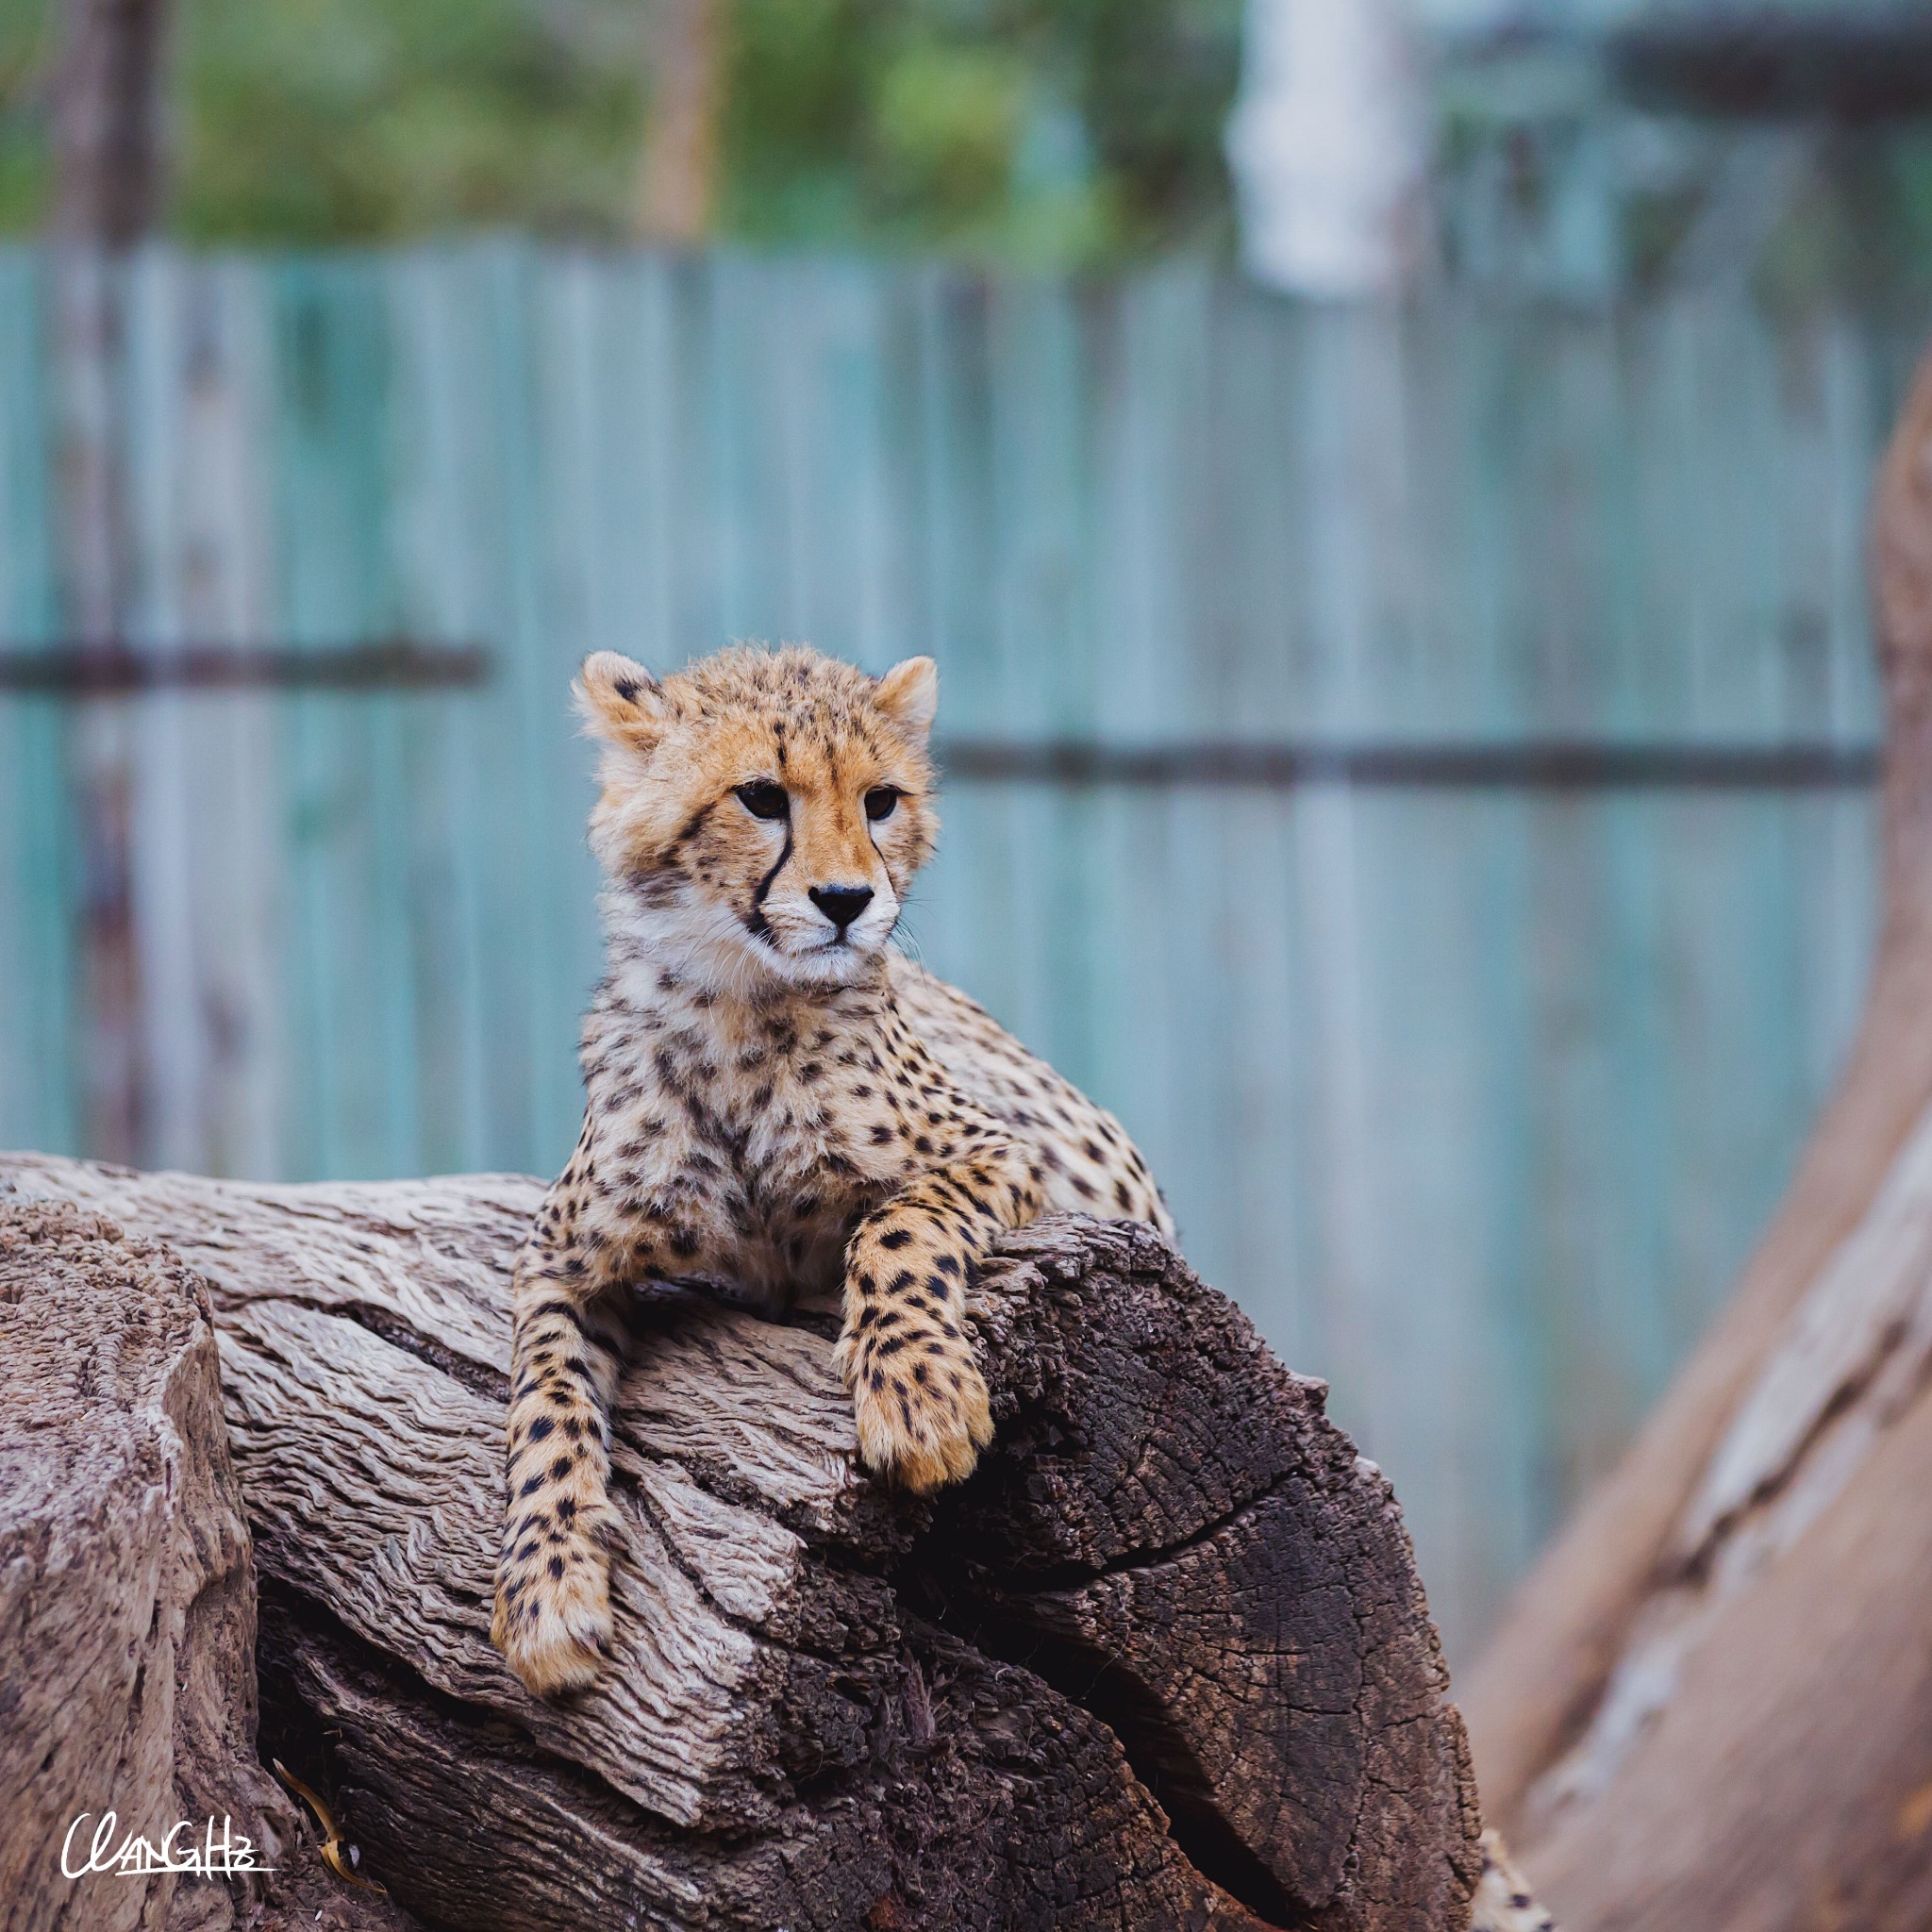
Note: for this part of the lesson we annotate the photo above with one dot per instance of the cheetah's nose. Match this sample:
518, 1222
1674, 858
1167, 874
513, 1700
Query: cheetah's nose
842, 904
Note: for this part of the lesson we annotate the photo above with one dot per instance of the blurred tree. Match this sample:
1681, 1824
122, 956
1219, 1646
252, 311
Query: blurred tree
105, 110
338, 120
1053, 130
678, 178
1049, 130
29, 43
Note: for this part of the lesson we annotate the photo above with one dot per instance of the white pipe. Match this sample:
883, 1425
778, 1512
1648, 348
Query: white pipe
1327, 145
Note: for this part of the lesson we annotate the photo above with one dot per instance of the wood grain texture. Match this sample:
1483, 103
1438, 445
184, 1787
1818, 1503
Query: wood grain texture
1778, 1628
1746, 1593
126, 1590
1539, 1687
1164, 1660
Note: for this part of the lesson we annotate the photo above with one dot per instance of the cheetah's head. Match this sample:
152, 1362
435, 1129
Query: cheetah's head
762, 811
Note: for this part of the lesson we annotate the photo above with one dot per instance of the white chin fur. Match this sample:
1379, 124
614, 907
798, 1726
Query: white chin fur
710, 946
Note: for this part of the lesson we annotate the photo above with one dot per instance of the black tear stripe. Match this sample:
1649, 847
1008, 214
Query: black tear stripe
758, 926
687, 828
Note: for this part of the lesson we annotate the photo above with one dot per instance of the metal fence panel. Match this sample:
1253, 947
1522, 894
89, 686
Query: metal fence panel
1474, 1094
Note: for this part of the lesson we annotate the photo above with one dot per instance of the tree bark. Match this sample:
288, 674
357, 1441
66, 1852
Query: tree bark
126, 1595
1743, 1593
108, 119
1162, 1661
677, 176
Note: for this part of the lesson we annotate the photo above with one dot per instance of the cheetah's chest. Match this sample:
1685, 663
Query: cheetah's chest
794, 1200
785, 1164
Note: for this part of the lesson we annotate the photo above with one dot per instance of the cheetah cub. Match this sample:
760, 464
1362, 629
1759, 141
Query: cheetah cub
776, 1098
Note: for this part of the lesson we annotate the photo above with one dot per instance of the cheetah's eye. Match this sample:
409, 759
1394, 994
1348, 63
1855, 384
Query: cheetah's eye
763, 799
881, 801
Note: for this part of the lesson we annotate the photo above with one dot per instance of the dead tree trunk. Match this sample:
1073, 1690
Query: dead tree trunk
1712, 1703
1164, 1661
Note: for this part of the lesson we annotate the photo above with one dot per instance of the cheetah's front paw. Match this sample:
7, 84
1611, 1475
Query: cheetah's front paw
553, 1621
922, 1420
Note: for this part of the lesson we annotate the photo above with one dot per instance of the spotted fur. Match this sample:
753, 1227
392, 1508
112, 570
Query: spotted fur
1504, 1902
776, 1098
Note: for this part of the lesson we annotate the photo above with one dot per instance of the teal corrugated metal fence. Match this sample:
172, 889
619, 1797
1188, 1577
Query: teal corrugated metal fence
1474, 1097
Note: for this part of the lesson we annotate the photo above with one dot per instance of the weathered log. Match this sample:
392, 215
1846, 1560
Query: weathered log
1163, 1662
127, 1599
1712, 1703
1762, 1753
128, 1607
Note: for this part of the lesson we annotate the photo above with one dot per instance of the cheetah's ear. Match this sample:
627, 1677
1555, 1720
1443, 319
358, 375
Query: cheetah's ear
908, 694
620, 701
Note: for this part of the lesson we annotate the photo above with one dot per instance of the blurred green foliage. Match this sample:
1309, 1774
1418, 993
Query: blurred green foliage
340, 120
1044, 129
1055, 131
27, 51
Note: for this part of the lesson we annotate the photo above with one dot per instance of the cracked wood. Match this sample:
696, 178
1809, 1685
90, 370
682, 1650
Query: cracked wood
1164, 1660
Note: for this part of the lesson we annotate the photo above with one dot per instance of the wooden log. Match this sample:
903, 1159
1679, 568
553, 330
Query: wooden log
1711, 1703
1783, 1634
126, 1590
1163, 1662
127, 1602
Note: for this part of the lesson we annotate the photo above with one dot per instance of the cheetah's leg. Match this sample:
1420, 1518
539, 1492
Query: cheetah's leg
904, 1351
552, 1571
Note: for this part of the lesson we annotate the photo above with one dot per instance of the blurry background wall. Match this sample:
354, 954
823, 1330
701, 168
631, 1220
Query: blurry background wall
1409, 754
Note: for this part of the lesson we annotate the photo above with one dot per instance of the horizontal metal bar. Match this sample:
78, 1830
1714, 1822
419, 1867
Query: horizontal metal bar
76, 672
1524, 765
107, 671
1858, 69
